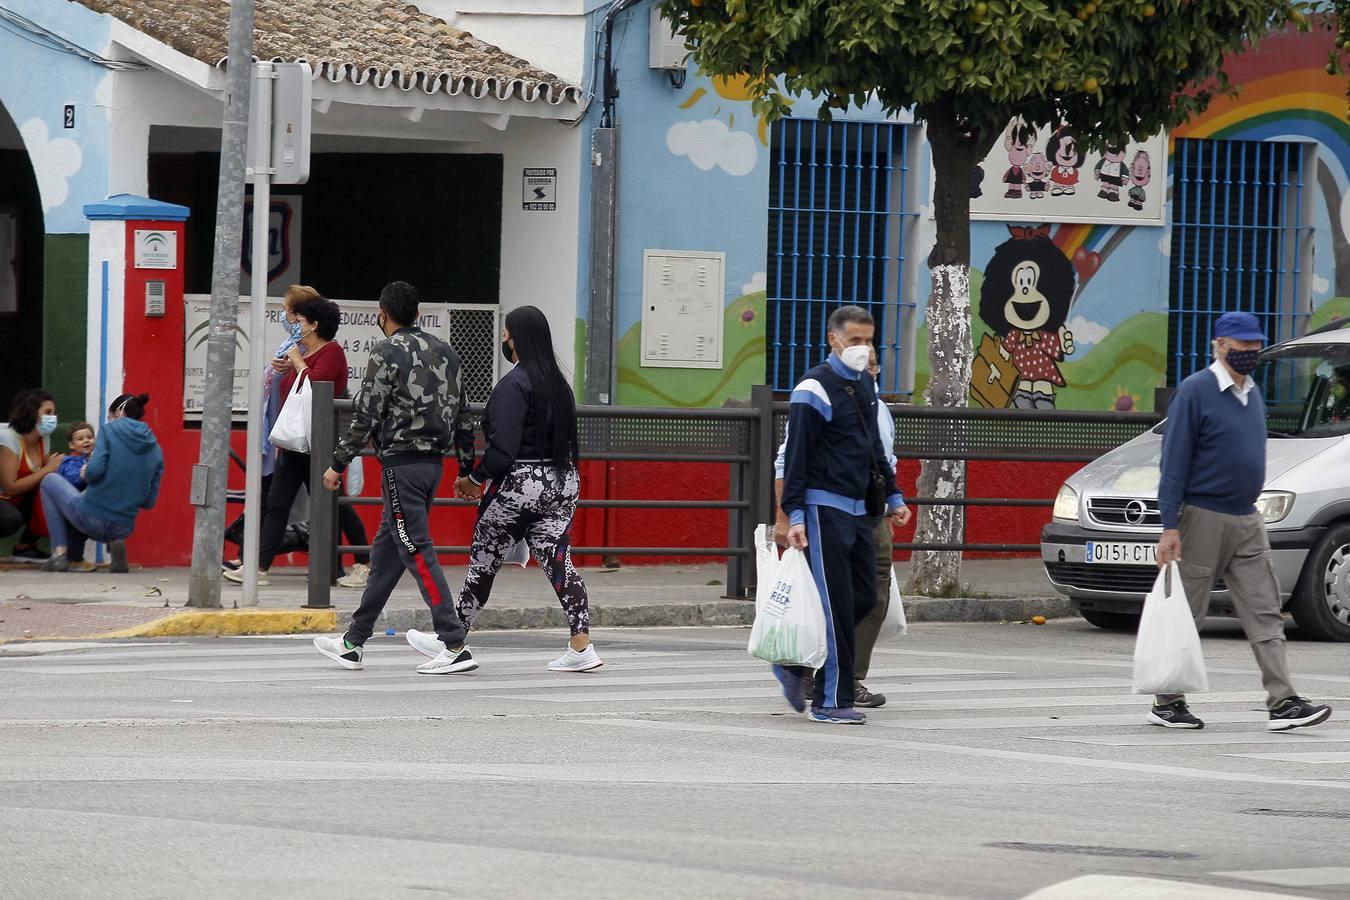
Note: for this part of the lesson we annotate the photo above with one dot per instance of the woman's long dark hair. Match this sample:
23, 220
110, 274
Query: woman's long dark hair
553, 400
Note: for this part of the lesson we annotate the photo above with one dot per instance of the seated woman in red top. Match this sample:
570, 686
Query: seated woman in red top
325, 361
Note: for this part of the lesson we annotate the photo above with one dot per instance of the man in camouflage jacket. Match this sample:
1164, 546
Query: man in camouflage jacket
411, 407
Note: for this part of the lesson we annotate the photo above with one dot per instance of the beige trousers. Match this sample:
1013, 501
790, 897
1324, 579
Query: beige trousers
1236, 549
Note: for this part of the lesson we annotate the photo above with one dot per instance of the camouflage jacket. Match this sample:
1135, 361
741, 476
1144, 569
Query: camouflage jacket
411, 401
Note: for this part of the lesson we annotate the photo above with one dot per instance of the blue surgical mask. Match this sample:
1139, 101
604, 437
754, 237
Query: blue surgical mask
46, 425
295, 330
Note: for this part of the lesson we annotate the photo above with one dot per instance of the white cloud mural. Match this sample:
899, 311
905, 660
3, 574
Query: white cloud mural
1086, 332
711, 143
1321, 286
758, 282
55, 161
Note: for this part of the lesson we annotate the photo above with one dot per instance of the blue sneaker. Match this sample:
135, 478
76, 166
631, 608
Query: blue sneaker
846, 715
794, 687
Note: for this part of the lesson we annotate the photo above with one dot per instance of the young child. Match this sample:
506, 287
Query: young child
81, 441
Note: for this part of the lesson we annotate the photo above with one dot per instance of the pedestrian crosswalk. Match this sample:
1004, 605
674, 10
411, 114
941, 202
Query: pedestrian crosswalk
952, 716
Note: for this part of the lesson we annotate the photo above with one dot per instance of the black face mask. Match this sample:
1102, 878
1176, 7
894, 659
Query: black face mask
1242, 362
507, 352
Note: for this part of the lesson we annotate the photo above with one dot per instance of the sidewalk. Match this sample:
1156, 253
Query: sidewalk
151, 602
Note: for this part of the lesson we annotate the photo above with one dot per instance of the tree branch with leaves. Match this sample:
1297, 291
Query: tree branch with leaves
1112, 68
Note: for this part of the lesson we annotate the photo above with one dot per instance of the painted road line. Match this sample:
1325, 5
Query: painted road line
1167, 737
1308, 758
1327, 876
820, 736
1043, 721
213, 651
598, 680
1125, 887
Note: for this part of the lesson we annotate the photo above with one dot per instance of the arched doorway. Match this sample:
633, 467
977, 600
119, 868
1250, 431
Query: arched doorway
21, 241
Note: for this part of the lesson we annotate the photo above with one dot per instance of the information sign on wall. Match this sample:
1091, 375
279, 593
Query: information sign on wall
539, 190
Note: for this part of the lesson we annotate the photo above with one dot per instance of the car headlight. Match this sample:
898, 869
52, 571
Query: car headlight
1066, 504
1274, 505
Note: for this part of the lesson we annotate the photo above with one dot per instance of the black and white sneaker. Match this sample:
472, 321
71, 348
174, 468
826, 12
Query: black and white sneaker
337, 650
1297, 713
449, 662
1174, 715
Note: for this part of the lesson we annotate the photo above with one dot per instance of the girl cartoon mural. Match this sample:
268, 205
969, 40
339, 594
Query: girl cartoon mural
1028, 287
1017, 142
1038, 175
1066, 155
1111, 172
1141, 173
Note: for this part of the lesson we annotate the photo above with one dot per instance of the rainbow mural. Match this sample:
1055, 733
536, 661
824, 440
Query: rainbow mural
1285, 94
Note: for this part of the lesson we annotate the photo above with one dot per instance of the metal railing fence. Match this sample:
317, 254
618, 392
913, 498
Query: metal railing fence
745, 440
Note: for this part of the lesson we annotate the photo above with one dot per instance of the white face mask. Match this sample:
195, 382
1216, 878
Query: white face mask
856, 357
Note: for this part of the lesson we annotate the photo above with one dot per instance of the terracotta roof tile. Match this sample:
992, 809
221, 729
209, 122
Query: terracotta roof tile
387, 43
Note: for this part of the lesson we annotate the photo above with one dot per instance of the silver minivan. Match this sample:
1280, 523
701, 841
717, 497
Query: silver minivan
1099, 547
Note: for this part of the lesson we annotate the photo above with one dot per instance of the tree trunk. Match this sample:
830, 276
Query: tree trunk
950, 349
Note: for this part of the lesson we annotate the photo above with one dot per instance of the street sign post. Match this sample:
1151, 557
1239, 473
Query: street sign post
278, 150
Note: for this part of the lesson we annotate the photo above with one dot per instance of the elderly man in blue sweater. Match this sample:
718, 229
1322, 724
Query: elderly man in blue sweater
1213, 470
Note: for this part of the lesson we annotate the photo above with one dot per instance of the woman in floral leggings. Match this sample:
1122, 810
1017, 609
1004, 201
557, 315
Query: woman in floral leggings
530, 469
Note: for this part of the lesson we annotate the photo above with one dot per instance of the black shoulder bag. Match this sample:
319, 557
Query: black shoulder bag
875, 500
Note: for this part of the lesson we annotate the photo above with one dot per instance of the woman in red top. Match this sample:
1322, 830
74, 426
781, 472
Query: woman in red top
322, 360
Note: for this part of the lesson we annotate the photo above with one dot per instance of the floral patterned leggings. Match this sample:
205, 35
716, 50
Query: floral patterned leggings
534, 502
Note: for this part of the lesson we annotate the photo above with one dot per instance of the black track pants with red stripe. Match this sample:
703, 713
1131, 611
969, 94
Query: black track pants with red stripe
404, 543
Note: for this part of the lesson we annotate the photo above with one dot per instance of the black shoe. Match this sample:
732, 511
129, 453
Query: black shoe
865, 699
29, 555
1297, 713
118, 551
1174, 715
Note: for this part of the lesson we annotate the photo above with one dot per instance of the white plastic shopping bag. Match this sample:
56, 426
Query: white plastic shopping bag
519, 554
766, 555
291, 431
1167, 654
789, 617
356, 477
894, 625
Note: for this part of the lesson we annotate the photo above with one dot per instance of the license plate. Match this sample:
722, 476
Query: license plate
1121, 554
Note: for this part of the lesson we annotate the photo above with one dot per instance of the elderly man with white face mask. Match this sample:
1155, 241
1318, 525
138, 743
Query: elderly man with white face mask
837, 481
1213, 470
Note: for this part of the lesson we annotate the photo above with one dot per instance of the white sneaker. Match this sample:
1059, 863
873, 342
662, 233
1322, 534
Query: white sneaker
572, 661
336, 650
429, 645
448, 663
237, 576
356, 578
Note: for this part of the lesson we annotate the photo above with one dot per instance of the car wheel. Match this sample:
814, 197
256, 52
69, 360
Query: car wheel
1321, 602
1111, 621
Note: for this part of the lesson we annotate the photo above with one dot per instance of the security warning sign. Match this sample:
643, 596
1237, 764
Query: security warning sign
539, 190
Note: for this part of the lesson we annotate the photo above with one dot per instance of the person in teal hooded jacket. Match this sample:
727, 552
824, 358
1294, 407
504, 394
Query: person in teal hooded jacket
123, 475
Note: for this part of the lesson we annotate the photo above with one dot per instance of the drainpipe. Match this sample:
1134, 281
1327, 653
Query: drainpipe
604, 224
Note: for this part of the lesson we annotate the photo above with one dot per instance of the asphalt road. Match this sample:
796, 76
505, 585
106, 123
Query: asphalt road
1011, 759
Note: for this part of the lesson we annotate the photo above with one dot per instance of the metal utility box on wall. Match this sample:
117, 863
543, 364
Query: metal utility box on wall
683, 294
666, 50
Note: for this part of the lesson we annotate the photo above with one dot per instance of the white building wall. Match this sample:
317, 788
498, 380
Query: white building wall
551, 34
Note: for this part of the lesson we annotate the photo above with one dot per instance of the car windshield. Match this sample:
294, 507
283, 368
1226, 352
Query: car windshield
1307, 390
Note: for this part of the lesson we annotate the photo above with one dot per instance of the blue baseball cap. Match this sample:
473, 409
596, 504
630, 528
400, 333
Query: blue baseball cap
1239, 326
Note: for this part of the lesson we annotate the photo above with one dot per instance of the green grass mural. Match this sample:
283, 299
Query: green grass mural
742, 365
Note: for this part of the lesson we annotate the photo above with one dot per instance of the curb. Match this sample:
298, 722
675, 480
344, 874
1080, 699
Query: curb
234, 622
721, 613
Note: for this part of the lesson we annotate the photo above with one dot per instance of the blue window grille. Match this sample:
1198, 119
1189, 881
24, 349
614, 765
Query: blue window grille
1238, 244
841, 213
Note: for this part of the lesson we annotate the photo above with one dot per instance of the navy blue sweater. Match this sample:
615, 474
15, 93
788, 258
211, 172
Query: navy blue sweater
830, 453
1214, 450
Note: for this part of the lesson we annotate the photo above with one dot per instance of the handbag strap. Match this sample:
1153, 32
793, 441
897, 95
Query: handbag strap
867, 428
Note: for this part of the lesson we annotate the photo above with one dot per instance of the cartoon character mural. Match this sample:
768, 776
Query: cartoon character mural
1111, 172
1066, 155
1038, 175
1018, 142
1028, 288
1141, 173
